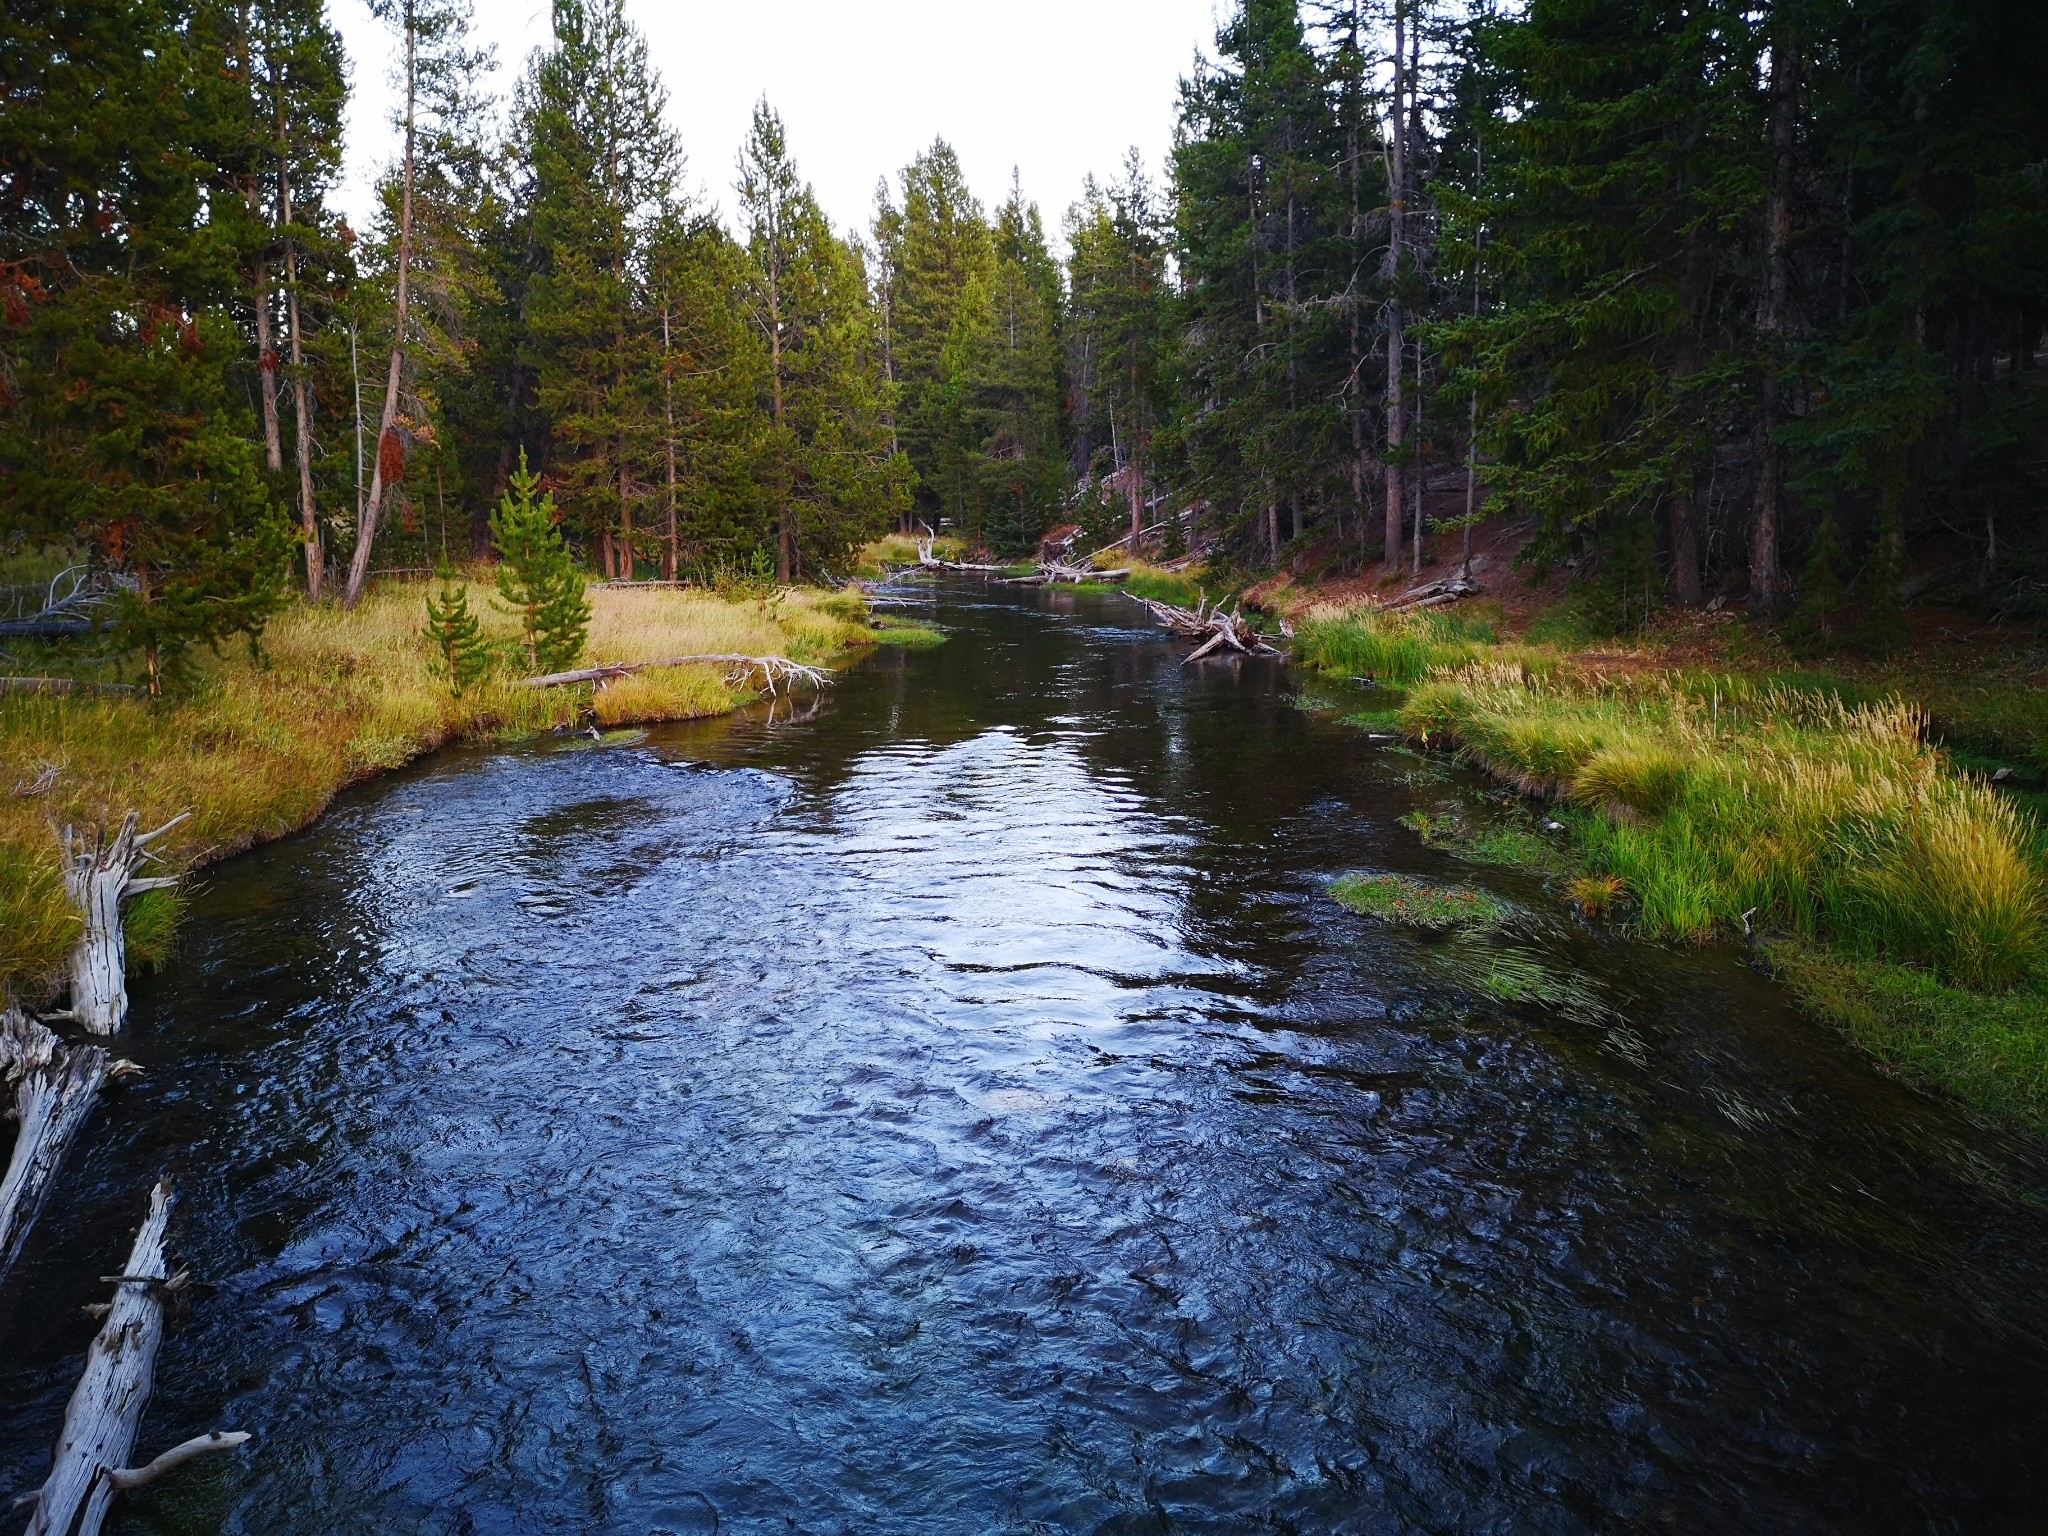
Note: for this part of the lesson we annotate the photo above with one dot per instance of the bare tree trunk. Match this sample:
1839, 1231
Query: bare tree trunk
1765, 580
100, 876
54, 1086
389, 447
100, 1423
1397, 193
302, 391
266, 371
785, 533
1421, 475
672, 557
1684, 532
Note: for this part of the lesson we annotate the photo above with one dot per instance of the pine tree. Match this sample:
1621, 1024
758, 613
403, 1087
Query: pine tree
301, 89
537, 576
457, 636
1271, 261
713, 427
1623, 333
939, 244
832, 479
123, 433
604, 173
1002, 366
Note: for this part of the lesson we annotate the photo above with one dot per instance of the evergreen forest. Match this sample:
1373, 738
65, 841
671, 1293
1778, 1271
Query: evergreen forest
1729, 302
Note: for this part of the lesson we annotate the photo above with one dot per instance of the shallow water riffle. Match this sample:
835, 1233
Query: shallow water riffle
958, 1105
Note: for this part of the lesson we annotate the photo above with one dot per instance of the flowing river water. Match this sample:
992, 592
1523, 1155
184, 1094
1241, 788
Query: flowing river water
961, 1108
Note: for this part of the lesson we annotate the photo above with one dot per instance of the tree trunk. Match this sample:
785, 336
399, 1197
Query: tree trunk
1685, 549
266, 373
91, 1462
100, 876
672, 550
302, 398
387, 432
1397, 177
54, 1086
1766, 587
785, 542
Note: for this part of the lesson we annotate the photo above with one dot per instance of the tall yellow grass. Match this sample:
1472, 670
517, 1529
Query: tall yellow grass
1765, 807
257, 746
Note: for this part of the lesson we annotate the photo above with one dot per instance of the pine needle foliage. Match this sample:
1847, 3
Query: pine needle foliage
537, 576
457, 636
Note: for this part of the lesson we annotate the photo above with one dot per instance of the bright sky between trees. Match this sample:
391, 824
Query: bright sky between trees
1057, 88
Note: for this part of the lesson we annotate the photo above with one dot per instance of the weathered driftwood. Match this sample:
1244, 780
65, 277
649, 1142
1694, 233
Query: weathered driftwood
100, 875
53, 1086
926, 560
1434, 594
91, 1463
774, 671
1053, 572
1213, 627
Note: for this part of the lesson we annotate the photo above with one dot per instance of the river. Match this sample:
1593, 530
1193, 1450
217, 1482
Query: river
958, 1107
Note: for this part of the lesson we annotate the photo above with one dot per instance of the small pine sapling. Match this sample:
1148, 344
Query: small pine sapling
537, 576
457, 636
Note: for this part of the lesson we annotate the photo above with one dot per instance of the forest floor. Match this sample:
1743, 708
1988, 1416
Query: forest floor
1872, 826
256, 745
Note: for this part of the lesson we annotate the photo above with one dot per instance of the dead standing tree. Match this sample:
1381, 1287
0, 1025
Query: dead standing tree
101, 876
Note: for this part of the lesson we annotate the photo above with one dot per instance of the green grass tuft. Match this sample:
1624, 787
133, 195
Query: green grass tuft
908, 634
1990, 1052
1398, 899
1391, 648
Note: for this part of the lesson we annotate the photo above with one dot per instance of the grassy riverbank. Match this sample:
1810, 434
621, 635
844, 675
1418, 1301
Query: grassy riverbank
1903, 897
255, 747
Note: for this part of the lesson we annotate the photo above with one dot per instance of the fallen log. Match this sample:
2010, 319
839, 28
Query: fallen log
100, 1423
1053, 572
774, 670
100, 876
61, 685
928, 561
1434, 594
54, 1087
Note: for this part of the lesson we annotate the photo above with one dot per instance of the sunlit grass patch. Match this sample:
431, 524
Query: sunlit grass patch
1415, 904
256, 746
895, 550
1766, 809
1396, 648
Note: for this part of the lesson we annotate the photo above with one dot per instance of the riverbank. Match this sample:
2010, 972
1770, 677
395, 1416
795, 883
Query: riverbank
1901, 895
256, 746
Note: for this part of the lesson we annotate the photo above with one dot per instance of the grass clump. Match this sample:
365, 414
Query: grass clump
1596, 895
893, 551
907, 634
1395, 648
1414, 904
1831, 821
1989, 1050
257, 745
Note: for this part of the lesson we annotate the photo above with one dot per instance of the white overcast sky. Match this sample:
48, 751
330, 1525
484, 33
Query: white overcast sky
1058, 88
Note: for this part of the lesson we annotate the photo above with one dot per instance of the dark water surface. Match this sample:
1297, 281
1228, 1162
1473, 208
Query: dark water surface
964, 1110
